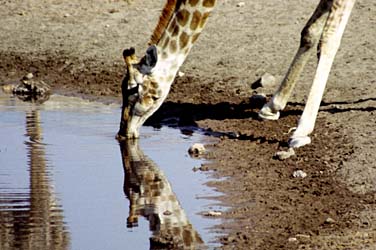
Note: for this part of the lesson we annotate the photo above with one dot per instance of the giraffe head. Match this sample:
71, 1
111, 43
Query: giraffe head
141, 92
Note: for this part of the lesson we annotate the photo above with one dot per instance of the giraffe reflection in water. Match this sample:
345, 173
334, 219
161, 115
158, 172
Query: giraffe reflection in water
33, 220
150, 195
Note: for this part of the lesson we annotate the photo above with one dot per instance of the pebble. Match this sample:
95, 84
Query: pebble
197, 149
299, 174
292, 239
266, 80
329, 221
212, 213
181, 74
28, 76
283, 155
240, 4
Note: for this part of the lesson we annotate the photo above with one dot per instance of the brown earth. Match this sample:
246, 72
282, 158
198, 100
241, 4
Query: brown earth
76, 47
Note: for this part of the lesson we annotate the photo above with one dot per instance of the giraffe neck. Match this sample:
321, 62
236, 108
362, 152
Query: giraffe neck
179, 27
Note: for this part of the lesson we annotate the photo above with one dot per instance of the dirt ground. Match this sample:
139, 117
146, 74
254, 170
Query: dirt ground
76, 46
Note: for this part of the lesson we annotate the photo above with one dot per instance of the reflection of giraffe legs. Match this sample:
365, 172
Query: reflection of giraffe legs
151, 196
41, 226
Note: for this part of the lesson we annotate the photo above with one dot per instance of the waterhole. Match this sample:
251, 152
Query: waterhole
66, 183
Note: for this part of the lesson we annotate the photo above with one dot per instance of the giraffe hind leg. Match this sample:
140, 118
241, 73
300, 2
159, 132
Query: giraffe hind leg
308, 43
329, 44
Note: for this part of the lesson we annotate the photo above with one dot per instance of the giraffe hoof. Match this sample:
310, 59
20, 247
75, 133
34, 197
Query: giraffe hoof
267, 114
299, 141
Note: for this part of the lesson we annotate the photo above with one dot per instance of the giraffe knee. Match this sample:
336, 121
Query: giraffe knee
309, 38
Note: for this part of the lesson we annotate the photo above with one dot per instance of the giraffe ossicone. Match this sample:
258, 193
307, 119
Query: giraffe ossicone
148, 81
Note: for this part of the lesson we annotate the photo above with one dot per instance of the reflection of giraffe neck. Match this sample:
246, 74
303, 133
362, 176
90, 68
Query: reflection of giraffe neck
151, 196
179, 27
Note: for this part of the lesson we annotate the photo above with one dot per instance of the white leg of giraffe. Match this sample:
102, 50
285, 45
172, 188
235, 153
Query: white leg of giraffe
330, 41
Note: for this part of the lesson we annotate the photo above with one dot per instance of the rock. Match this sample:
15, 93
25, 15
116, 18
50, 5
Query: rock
213, 213
181, 74
299, 174
32, 90
240, 4
283, 155
329, 221
292, 239
303, 236
28, 76
197, 149
266, 80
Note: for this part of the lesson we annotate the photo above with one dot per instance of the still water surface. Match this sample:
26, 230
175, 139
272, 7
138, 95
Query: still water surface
66, 183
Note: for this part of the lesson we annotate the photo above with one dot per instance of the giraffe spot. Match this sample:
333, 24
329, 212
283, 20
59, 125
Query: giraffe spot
166, 42
152, 92
154, 84
196, 18
147, 101
172, 26
184, 39
208, 3
182, 17
175, 32
195, 37
204, 19
173, 46
193, 3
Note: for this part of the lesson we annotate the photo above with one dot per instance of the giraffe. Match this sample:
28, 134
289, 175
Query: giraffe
151, 196
147, 81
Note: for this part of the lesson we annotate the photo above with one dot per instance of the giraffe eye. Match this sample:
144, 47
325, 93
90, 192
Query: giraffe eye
155, 98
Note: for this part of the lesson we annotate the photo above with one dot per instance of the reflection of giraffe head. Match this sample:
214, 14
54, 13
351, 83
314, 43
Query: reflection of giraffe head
151, 196
147, 81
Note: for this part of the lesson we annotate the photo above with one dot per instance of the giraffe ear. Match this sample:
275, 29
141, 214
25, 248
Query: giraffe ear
149, 61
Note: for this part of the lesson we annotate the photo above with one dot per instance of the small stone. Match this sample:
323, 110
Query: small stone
66, 15
28, 76
213, 213
283, 155
299, 174
329, 221
303, 236
197, 149
181, 74
266, 80
240, 4
107, 26
292, 239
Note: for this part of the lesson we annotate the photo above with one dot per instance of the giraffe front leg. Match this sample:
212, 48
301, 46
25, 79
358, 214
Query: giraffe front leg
308, 43
330, 42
